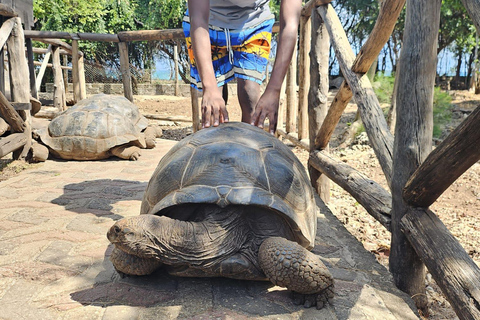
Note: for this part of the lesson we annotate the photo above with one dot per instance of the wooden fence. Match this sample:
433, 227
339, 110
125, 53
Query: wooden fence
415, 175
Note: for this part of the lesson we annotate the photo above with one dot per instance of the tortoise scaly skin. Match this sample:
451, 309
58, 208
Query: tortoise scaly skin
228, 201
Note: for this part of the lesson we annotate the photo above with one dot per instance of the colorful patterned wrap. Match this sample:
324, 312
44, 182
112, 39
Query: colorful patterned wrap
239, 53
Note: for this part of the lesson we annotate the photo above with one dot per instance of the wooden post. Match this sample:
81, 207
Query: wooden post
58, 85
31, 68
413, 134
125, 70
65, 75
175, 59
304, 76
318, 96
75, 72
195, 109
19, 83
41, 72
291, 114
281, 107
2, 68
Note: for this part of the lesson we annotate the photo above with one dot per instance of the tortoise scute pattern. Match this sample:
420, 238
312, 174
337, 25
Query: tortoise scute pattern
92, 127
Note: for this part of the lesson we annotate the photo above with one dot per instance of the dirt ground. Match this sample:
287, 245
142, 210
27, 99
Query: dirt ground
458, 207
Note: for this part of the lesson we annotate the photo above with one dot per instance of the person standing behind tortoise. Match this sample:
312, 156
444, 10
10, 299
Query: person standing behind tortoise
229, 39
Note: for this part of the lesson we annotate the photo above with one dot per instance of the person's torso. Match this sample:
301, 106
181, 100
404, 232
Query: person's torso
238, 14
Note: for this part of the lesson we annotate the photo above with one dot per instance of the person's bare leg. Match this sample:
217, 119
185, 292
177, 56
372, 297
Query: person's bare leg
248, 92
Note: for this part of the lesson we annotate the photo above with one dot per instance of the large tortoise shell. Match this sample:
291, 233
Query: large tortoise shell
235, 163
93, 126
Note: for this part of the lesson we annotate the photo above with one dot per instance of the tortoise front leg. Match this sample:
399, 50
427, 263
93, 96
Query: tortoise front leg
126, 152
289, 265
128, 264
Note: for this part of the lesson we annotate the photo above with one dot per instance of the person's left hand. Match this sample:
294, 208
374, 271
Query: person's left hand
267, 107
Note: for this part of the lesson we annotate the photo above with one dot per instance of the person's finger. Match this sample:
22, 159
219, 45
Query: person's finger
261, 120
216, 116
206, 116
224, 114
273, 124
254, 120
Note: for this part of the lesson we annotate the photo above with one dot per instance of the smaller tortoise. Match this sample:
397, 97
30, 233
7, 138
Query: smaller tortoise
228, 201
97, 128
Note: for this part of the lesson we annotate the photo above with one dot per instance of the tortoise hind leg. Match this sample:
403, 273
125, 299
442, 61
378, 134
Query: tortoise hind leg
289, 265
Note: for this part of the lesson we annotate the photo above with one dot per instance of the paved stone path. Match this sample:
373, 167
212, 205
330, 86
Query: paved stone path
54, 257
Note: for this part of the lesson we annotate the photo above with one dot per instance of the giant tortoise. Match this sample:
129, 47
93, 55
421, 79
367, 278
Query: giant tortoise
228, 201
97, 128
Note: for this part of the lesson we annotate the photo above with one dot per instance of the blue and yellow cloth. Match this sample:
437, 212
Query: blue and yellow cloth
239, 53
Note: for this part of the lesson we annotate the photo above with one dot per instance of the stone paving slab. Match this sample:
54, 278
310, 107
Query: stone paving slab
54, 257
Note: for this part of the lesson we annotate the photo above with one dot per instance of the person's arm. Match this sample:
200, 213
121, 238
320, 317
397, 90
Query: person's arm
212, 101
267, 106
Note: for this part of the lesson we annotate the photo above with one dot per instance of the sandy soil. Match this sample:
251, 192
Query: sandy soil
458, 207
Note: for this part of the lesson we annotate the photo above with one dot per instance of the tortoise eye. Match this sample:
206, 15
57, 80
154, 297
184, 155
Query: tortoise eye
116, 229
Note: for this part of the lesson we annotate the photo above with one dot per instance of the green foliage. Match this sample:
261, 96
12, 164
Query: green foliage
442, 111
383, 87
161, 14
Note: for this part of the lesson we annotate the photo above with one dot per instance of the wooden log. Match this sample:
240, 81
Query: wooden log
381, 32
458, 152
2, 68
372, 115
7, 11
175, 59
101, 37
195, 109
304, 76
4, 127
10, 115
12, 143
78, 57
58, 43
41, 72
5, 30
46, 50
291, 112
311, 4
318, 96
389, 12
453, 270
64, 66
150, 35
19, 81
334, 114
75, 72
50, 65
59, 100
31, 68
293, 138
413, 133
375, 199
167, 118
125, 70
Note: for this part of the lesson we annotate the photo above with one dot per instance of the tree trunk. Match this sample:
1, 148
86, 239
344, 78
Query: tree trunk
413, 134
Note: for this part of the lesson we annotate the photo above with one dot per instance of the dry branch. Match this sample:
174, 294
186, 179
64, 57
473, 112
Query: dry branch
458, 152
375, 199
12, 142
5, 30
372, 115
10, 115
451, 267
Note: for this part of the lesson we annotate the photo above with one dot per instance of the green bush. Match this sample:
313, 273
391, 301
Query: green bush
442, 106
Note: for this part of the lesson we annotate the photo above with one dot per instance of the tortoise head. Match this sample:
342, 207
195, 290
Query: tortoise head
136, 235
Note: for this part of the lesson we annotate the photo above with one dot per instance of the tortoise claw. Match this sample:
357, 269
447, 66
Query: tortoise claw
319, 300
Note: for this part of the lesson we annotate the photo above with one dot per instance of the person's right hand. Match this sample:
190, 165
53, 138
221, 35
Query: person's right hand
213, 108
